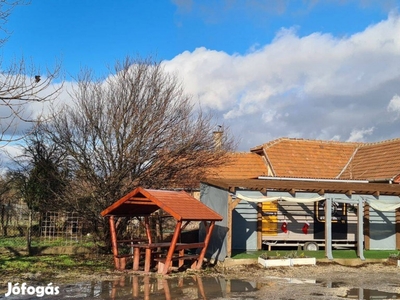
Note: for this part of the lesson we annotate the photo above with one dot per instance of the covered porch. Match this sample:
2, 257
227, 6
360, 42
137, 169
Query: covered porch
226, 196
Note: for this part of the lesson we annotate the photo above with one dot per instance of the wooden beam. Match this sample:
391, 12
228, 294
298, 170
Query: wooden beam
184, 225
308, 186
171, 249
367, 240
235, 203
229, 225
398, 229
348, 193
139, 199
148, 231
114, 242
209, 229
139, 202
259, 226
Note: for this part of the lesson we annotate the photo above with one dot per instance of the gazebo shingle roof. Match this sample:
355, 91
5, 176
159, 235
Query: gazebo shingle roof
179, 204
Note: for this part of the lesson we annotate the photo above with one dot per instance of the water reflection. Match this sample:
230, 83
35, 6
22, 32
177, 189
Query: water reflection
150, 287
367, 294
196, 287
360, 293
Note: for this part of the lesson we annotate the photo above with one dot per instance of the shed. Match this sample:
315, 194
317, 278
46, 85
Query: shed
179, 204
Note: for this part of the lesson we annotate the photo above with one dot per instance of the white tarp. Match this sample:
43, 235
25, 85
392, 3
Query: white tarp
262, 198
383, 205
257, 197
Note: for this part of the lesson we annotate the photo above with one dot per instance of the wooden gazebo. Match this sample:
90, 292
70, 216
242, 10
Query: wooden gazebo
181, 206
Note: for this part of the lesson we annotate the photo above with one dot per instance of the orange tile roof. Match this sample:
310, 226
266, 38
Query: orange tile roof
290, 157
375, 161
240, 165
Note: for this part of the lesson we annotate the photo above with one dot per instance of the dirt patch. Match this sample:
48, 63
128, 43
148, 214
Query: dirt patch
326, 280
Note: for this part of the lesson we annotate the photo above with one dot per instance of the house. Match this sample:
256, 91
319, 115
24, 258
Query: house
348, 175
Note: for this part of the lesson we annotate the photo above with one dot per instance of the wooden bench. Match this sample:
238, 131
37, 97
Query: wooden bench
180, 258
120, 260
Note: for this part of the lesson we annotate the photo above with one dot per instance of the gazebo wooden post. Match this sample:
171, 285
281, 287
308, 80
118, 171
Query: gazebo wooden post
114, 243
148, 256
148, 231
209, 229
171, 249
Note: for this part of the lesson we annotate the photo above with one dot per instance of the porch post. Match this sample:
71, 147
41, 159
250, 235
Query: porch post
397, 228
229, 225
360, 229
367, 239
328, 228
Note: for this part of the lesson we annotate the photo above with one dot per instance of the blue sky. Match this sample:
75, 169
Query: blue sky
95, 33
308, 69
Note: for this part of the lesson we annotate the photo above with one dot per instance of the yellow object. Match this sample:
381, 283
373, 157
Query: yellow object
270, 218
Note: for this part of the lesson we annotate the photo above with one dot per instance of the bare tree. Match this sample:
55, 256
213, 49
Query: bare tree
6, 7
17, 91
137, 127
20, 85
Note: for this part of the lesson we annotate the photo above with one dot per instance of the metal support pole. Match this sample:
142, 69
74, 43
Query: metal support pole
328, 228
360, 229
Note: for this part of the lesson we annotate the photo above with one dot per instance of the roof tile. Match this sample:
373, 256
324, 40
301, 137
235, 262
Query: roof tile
307, 158
240, 165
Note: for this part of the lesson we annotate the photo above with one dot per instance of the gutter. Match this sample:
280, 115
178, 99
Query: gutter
311, 179
383, 180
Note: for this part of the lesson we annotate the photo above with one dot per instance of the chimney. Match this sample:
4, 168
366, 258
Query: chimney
218, 134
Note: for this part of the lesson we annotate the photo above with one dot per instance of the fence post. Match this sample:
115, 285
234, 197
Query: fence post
29, 233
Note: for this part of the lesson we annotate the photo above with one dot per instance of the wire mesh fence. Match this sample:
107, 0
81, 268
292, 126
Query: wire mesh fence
23, 231
21, 228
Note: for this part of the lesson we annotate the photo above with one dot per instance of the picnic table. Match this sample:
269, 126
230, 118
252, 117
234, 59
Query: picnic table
152, 254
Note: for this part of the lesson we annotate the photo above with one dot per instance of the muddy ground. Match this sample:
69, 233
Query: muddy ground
323, 281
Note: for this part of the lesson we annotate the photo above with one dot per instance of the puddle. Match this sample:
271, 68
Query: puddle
367, 294
360, 293
196, 287
150, 287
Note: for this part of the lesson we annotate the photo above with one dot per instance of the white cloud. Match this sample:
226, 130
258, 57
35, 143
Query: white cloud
320, 85
359, 135
394, 105
317, 86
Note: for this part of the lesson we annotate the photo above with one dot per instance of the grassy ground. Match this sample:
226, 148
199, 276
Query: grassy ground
368, 254
49, 266
46, 267
20, 242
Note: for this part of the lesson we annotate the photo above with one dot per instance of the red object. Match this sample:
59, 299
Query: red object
305, 227
284, 227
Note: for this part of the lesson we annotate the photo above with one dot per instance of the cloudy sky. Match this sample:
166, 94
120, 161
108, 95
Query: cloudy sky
315, 69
